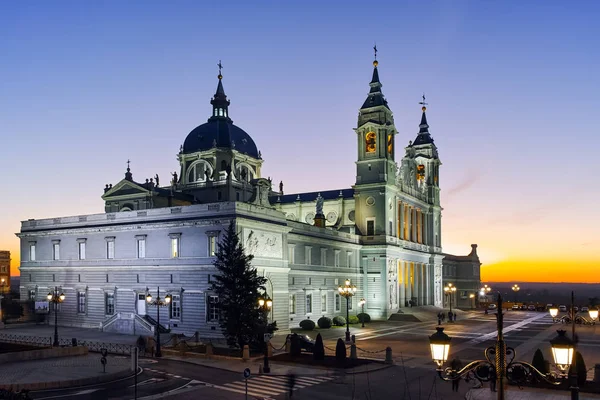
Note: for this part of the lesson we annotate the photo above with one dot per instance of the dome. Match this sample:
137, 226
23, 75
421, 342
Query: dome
221, 133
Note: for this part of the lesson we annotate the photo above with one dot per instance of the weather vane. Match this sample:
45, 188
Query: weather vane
423, 102
375, 49
220, 66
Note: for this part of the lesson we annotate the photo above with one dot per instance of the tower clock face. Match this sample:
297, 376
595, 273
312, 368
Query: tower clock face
370, 142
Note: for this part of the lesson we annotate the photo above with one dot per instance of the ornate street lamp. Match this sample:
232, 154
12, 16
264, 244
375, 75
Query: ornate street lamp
593, 315
472, 297
361, 303
500, 363
515, 289
553, 313
449, 289
55, 298
158, 302
266, 304
347, 291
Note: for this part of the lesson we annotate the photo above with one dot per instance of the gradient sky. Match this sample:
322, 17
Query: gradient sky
512, 89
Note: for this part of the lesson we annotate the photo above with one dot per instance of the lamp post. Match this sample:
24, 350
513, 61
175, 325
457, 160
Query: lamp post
158, 302
55, 298
516, 288
483, 292
347, 291
265, 304
553, 313
449, 289
500, 363
361, 303
593, 315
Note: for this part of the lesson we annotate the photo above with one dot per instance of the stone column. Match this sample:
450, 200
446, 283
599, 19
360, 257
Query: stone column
417, 293
408, 281
401, 220
401, 282
428, 281
425, 228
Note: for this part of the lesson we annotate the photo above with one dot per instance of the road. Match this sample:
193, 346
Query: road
412, 377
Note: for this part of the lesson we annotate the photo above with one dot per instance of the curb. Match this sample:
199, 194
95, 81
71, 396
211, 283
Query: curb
69, 383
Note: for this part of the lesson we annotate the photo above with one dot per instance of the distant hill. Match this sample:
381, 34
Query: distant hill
543, 292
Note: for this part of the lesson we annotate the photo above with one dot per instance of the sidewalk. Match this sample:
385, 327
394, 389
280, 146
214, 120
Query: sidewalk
514, 393
62, 372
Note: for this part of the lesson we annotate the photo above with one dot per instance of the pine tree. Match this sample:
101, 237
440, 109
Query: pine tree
238, 287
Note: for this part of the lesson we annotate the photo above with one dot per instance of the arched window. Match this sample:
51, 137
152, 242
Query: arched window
370, 142
244, 172
198, 171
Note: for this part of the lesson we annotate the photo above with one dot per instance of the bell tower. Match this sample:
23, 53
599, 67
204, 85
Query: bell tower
375, 165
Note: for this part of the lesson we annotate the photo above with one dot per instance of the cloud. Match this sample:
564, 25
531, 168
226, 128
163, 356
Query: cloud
471, 178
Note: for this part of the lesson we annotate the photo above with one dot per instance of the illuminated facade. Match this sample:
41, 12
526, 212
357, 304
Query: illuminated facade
383, 233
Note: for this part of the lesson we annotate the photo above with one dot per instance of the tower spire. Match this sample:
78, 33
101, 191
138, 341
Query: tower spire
219, 101
375, 95
424, 137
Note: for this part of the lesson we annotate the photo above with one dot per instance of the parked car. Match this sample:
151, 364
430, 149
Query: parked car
531, 307
562, 308
576, 308
306, 342
492, 306
515, 307
524, 307
549, 306
585, 309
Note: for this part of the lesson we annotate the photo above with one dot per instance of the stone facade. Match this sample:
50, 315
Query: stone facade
4, 272
383, 233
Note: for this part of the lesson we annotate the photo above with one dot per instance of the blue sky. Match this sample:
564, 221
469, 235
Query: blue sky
512, 91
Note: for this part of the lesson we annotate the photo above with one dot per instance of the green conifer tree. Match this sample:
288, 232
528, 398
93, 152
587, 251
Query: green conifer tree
238, 287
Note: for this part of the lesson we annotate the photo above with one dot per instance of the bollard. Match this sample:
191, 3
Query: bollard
353, 355
175, 340
269, 350
288, 345
597, 373
353, 338
181, 347
388, 355
209, 349
196, 336
246, 353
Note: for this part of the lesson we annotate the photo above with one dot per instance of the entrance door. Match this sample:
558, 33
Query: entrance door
141, 304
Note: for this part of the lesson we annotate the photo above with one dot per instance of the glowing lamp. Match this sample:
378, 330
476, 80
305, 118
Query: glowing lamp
347, 282
261, 302
62, 297
168, 298
269, 303
562, 350
593, 314
148, 297
553, 312
440, 346
49, 297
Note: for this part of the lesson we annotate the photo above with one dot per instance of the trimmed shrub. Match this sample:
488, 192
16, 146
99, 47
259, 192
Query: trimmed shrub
324, 323
580, 369
339, 321
307, 325
364, 317
353, 319
340, 351
319, 349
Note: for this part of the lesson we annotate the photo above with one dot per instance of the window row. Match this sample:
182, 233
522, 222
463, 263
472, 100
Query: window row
309, 303
140, 243
308, 256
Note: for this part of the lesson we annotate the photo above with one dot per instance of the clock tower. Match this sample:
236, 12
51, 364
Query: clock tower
375, 166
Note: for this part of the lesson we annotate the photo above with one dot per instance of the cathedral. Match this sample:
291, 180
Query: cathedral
383, 234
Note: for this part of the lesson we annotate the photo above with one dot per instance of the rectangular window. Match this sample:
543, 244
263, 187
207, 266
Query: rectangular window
110, 249
338, 302
336, 259
175, 247
309, 303
324, 302
141, 248
291, 258
323, 257
308, 255
32, 252
292, 304
175, 307
81, 250
212, 245
81, 302
31, 294
213, 309
309, 281
348, 259
109, 303
3, 268
370, 227
56, 251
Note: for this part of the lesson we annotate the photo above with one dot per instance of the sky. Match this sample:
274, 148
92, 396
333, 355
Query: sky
512, 89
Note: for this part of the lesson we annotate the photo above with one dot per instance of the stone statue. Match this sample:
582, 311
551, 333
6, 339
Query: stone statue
207, 175
174, 180
281, 187
319, 204
156, 179
214, 143
181, 148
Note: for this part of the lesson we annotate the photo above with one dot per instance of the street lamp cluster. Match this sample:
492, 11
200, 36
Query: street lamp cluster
158, 302
55, 298
265, 304
592, 312
500, 364
347, 291
449, 289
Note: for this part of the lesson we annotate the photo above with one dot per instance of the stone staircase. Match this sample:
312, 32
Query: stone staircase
422, 314
127, 323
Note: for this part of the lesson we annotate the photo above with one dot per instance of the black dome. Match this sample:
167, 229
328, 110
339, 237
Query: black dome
219, 132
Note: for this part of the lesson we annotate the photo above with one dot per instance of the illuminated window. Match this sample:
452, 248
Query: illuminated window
390, 143
370, 142
31, 251
324, 302
175, 247
141, 248
420, 172
212, 245
109, 303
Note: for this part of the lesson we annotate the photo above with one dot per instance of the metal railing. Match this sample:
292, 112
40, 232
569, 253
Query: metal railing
93, 346
25, 339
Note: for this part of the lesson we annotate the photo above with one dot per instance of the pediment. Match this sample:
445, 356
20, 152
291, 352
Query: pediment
125, 189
